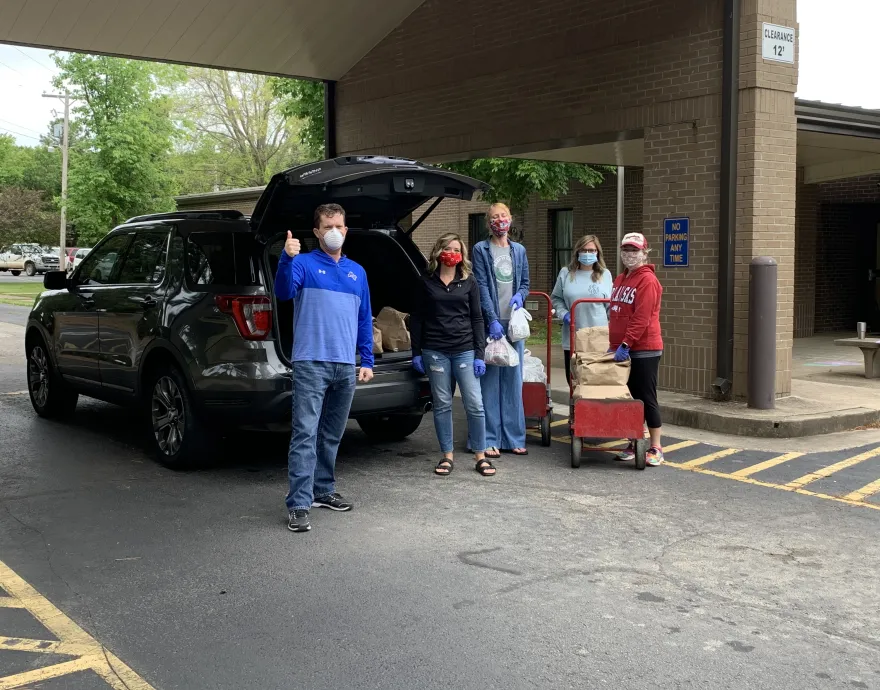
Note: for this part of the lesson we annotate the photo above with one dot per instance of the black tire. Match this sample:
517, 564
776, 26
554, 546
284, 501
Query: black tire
545, 431
50, 396
15, 273
576, 449
641, 453
30, 270
177, 435
391, 427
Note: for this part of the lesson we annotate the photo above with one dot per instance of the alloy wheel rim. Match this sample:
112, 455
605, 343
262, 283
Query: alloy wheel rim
38, 376
168, 415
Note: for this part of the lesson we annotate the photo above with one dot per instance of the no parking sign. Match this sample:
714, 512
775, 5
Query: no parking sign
676, 242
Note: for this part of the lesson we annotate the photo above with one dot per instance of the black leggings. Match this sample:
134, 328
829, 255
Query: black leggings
566, 357
643, 386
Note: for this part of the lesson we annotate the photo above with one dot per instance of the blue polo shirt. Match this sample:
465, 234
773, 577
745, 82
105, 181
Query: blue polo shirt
332, 314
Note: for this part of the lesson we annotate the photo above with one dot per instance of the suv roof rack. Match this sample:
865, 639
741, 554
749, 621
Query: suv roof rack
219, 214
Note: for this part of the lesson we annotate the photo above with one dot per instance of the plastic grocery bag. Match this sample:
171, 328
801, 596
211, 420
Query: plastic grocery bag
533, 369
500, 353
518, 329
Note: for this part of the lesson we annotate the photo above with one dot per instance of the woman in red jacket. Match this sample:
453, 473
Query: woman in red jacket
634, 330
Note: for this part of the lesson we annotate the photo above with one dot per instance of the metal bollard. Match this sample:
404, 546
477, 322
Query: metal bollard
762, 333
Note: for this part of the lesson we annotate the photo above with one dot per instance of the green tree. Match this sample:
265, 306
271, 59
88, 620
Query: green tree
235, 134
25, 216
513, 180
123, 134
304, 101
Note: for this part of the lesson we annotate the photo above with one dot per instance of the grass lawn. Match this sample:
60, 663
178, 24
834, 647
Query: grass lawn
539, 333
20, 294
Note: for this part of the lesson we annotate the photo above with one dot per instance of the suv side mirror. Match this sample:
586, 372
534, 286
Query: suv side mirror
55, 280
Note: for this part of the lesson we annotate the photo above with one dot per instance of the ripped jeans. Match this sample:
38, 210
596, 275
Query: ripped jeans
444, 371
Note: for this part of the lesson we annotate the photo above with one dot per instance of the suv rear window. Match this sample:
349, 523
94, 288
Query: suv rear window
220, 258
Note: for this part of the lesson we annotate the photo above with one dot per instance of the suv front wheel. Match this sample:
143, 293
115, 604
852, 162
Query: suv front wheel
50, 396
392, 427
177, 434
30, 269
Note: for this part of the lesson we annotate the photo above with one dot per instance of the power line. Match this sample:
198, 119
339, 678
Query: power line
12, 68
34, 59
26, 129
20, 134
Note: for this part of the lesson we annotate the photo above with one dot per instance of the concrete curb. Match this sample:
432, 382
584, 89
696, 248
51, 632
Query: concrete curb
779, 425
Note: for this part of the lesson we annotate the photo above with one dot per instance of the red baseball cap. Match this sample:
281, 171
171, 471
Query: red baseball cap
634, 239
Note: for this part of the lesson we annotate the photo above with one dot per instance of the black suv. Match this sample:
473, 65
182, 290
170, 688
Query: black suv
175, 313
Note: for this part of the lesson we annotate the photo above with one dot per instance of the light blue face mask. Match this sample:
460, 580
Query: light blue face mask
588, 258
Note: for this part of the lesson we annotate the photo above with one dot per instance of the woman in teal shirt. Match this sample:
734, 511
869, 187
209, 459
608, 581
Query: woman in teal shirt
585, 277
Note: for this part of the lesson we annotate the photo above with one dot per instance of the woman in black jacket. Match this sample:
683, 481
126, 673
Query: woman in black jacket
448, 340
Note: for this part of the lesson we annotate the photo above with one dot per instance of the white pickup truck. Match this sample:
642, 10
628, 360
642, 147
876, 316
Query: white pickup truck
29, 258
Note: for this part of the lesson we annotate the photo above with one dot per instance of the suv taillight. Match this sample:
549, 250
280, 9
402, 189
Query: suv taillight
252, 315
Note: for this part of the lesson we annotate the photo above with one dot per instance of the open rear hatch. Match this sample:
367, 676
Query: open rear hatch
376, 192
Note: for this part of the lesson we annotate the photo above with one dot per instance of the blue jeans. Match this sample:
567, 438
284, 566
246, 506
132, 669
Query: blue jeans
322, 395
443, 372
502, 400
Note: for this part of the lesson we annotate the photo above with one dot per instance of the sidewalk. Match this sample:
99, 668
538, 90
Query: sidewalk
829, 395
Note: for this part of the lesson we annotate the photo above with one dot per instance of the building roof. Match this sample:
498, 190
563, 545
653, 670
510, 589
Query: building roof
832, 118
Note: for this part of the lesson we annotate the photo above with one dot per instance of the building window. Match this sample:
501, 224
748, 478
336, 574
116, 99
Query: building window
561, 233
476, 228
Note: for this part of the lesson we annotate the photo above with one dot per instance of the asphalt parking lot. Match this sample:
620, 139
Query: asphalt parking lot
541, 577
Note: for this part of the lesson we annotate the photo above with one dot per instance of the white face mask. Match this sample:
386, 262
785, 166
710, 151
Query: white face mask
333, 240
633, 259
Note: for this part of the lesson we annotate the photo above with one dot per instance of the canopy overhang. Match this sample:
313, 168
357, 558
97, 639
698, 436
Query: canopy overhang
295, 38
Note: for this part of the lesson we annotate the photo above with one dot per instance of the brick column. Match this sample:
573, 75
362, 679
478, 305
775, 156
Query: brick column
767, 182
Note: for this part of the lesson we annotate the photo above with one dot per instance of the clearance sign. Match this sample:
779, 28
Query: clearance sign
676, 242
778, 43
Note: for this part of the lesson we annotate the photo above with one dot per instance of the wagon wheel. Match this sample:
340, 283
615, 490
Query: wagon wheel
576, 447
641, 451
545, 430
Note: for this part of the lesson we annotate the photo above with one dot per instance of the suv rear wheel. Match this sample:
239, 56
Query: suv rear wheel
30, 269
50, 396
15, 273
392, 427
177, 434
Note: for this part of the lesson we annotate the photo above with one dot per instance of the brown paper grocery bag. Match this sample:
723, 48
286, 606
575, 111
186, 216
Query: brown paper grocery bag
395, 336
592, 370
601, 393
592, 340
377, 340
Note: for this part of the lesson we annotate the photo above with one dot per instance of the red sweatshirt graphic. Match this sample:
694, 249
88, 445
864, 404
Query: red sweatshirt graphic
635, 310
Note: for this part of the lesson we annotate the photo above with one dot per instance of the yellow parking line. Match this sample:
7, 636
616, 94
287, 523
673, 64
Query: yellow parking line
766, 465
23, 644
20, 680
559, 422
10, 603
831, 469
72, 637
678, 446
779, 487
697, 462
864, 492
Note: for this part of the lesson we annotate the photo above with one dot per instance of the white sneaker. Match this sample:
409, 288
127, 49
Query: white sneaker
654, 457
628, 454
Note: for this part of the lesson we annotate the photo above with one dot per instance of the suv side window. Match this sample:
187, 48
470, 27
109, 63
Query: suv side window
144, 262
220, 258
99, 266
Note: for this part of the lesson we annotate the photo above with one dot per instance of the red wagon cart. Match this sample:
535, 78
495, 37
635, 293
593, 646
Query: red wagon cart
537, 402
603, 419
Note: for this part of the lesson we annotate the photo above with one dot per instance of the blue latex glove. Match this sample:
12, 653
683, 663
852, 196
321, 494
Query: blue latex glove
479, 367
621, 354
566, 320
496, 330
516, 302
419, 364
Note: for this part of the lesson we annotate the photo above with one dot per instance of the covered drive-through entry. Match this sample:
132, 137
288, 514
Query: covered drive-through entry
697, 95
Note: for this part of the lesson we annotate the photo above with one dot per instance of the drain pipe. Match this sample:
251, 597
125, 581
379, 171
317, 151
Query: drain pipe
329, 119
727, 230
621, 188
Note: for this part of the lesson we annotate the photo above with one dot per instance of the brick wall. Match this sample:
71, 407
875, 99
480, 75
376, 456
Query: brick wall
837, 285
681, 179
805, 246
856, 190
459, 79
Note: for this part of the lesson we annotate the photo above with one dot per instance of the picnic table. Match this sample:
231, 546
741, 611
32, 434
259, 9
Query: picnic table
870, 348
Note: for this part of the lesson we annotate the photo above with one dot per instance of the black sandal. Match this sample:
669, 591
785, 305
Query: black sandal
483, 466
444, 464
493, 453
516, 451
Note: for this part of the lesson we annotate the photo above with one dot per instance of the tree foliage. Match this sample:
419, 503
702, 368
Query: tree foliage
235, 134
304, 101
122, 139
26, 217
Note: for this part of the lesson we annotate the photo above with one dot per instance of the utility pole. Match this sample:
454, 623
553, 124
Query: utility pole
62, 254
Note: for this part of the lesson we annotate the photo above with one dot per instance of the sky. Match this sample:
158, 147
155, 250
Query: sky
838, 64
